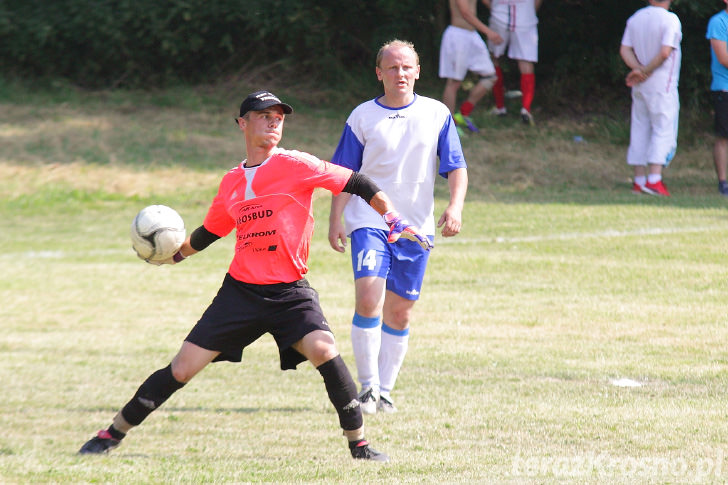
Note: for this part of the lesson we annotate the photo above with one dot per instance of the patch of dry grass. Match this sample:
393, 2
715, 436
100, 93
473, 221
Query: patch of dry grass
574, 154
143, 143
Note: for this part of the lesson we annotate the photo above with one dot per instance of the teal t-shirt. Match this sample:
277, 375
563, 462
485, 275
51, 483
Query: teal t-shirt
718, 29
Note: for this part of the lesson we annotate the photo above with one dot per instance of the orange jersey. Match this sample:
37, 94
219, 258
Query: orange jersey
270, 206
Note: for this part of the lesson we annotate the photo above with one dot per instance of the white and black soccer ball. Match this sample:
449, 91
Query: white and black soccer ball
157, 233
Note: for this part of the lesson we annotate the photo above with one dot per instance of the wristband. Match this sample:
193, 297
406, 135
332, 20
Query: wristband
391, 217
178, 257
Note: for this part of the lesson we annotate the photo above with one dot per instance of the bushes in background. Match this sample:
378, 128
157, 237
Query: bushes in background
150, 43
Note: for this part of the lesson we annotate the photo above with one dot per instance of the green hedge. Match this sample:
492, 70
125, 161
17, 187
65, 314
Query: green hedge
110, 42
147, 43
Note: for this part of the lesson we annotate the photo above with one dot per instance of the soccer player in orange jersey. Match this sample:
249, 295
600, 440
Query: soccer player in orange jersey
267, 199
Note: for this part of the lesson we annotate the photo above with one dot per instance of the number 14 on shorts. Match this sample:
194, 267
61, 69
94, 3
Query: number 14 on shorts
366, 258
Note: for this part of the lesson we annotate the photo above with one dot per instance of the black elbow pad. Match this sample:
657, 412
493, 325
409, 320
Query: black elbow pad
361, 185
201, 238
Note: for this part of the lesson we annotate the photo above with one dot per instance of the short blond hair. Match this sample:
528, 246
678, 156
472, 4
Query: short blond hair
397, 43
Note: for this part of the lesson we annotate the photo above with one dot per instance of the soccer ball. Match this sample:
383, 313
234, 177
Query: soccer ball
157, 232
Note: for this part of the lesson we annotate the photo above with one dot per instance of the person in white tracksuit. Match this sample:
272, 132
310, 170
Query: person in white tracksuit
651, 49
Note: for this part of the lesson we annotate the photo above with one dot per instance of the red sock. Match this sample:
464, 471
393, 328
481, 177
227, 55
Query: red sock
499, 90
528, 87
466, 108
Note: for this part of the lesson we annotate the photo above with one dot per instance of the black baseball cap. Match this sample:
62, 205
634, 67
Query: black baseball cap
260, 100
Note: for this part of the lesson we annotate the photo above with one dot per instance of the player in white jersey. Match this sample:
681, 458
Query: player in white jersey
651, 49
396, 140
462, 49
516, 21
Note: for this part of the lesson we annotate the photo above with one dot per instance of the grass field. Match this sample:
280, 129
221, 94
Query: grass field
561, 286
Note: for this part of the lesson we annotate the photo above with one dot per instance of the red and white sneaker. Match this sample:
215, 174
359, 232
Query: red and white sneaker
637, 188
656, 189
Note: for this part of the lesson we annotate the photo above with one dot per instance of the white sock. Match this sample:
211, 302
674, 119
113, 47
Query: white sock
394, 348
640, 180
653, 178
366, 337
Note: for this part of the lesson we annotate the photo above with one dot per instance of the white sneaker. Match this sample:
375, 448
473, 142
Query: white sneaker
499, 111
385, 404
368, 400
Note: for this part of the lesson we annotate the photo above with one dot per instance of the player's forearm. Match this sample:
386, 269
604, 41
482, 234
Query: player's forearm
381, 203
480, 26
186, 249
198, 240
457, 181
338, 202
658, 60
629, 57
471, 18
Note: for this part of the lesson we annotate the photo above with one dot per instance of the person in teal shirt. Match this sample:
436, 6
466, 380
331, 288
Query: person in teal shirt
718, 36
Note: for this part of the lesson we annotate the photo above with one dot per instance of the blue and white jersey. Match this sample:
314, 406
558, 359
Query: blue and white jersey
718, 30
399, 149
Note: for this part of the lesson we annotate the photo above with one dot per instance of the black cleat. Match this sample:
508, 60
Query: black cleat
360, 450
101, 443
527, 117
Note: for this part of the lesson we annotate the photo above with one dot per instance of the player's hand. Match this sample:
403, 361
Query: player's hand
635, 77
495, 38
337, 236
160, 262
450, 222
399, 227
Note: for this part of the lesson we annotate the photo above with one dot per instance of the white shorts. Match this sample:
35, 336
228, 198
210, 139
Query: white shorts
461, 51
522, 43
653, 128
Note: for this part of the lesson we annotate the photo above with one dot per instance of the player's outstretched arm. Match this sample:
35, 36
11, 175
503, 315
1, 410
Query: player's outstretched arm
365, 188
195, 242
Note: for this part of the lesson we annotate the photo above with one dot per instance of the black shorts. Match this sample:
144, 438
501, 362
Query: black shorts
242, 312
720, 106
